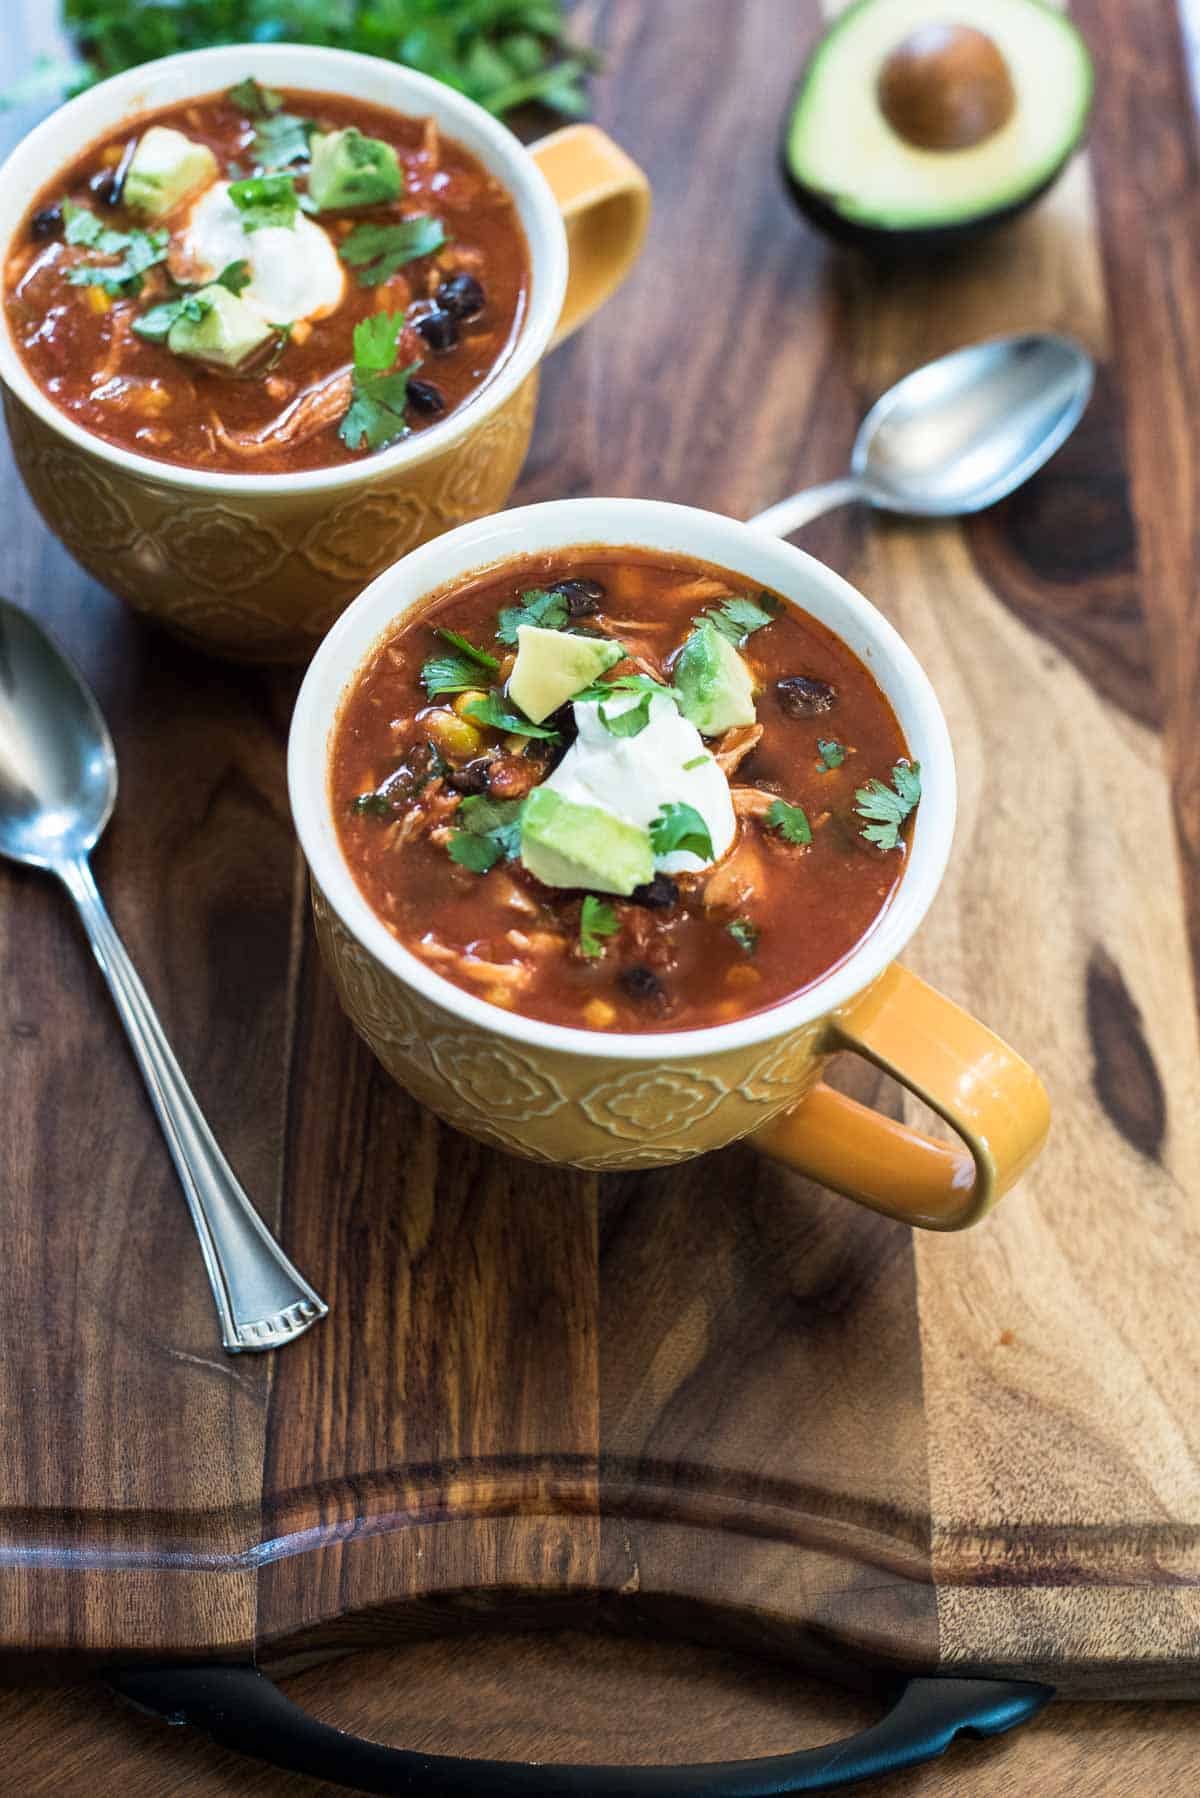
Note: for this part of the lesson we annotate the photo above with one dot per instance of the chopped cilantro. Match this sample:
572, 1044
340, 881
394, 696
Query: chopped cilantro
629, 723
597, 920
791, 821
265, 200
154, 325
887, 809
540, 605
458, 641
832, 753
84, 227
744, 934
680, 827
490, 832
492, 711
235, 276
139, 250
739, 617
449, 674
378, 391
374, 804
377, 251
282, 140
255, 101
697, 761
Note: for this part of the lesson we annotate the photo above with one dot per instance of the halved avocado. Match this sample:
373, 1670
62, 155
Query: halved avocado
917, 122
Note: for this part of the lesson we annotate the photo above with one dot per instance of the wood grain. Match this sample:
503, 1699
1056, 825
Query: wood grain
713, 1406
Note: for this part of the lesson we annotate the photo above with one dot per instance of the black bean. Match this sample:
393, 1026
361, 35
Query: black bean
473, 778
800, 697
425, 398
642, 983
582, 597
462, 296
439, 329
658, 894
47, 222
104, 187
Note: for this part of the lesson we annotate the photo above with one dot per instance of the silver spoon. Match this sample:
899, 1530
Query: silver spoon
58, 785
958, 434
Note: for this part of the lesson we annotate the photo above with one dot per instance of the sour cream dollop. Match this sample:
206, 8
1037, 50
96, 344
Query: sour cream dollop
634, 777
294, 272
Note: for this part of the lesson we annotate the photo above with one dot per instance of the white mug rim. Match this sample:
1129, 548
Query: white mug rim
126, 95
618, 523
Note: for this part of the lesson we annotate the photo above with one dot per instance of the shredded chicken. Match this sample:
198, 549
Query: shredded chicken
736, 745
751, 802
705, 586
118, 341
431, 142
319, 407
735, 879
507, 892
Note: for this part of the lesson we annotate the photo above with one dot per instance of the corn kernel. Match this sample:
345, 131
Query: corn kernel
301, 331
598, 1014
741, 974
97, 299
452, 734
463, 701
111, 156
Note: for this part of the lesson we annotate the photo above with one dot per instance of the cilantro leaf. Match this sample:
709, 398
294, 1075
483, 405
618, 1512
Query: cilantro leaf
378, 392
597, 920
265, 200
791, 821
832, 753
235, 276
282, 140
492, 711
139, 250
85, 227
737, 618
744, 934
374, 804
153, 326
377, 251
458, 641
680, 827
629, 723
255, 101
541, 605
449, 674
697, 761
887, 808
490, 832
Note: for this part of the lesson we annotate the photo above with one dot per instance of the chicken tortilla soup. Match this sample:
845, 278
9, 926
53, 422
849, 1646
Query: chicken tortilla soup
621, 790
266, 282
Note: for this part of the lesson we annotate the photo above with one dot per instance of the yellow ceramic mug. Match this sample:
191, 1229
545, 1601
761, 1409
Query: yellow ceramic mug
595, 1100
258, 566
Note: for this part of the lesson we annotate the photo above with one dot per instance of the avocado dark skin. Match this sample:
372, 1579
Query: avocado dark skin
915, 241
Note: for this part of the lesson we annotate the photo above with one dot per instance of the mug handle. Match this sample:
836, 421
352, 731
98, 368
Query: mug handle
604, 199
964, 1072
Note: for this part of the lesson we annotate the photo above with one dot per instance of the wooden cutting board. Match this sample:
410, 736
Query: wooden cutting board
712, 1401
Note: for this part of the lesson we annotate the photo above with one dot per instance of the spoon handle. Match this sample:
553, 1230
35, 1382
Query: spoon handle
801, 508
261, 1299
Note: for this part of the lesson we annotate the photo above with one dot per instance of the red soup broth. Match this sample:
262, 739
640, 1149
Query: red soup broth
768, 920
462, 306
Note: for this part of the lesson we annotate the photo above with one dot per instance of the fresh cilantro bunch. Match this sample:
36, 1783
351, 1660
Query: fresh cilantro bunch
502, 53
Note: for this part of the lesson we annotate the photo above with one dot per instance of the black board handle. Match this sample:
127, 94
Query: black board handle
242, 1709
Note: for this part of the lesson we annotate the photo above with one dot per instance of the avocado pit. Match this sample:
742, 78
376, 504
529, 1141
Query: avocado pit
946, 87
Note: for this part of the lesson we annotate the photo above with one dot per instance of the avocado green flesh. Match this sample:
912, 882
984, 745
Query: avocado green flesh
569, 845
842, 151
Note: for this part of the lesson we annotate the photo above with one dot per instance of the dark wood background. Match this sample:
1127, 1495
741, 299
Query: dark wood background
733, 369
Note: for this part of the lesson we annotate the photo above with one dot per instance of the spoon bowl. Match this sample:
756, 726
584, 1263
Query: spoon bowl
958, 434
58, 771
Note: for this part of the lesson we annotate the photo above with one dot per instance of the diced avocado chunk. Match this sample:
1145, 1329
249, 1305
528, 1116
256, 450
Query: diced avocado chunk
713, 683
569, 845
349, 169
225, 336
164, 169
551, 666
